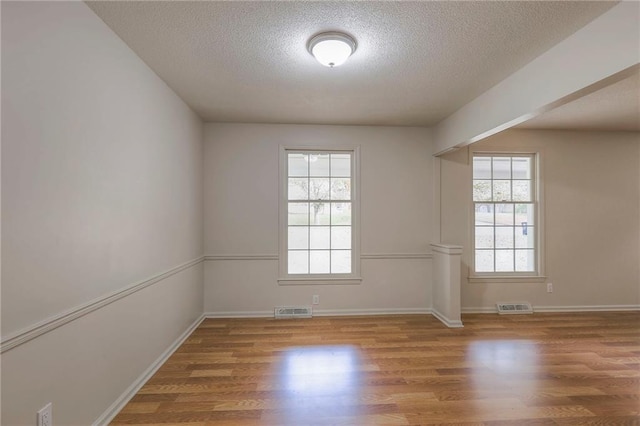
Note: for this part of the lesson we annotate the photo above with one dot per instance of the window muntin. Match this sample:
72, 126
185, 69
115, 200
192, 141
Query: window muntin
319, 213
505, 222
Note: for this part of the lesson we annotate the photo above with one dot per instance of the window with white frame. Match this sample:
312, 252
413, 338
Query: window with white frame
319, 212
505, 214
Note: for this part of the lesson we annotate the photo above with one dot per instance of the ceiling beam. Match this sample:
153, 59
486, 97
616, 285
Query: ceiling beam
604, 51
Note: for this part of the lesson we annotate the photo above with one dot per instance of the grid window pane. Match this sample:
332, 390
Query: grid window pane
320, 214
521, 190
525, 261
504, 214
341, 213
501, 190
298, 213
504, 237
484, 260
482, 190
484, 237
522, 168
341, 261
482, 168
298, 237
501, 168
319, 237
484, 214
319, 262
298, 164
340, 188
298, 262
319, 188
319, 165
298, 189
524, 214
340, 165
340, 237
525, 237
504, 261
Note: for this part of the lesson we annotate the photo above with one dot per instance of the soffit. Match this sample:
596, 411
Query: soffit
614, 107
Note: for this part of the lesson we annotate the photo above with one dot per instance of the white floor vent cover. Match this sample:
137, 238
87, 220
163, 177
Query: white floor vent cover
514, 308
293, 312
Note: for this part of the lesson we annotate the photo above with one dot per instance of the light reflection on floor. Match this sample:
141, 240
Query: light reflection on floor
504, 368
505, 356
318, 382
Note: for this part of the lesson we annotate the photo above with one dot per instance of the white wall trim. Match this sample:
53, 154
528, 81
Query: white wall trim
474, 279
480, 310
240, 314
320, 281
396, 256
450, 249
214, 257
446, 321
49, 324
367, 256
585, 308
323, 312
130, 392
379, 311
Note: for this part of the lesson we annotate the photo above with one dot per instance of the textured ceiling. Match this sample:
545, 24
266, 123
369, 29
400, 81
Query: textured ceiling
416, 62
615, 107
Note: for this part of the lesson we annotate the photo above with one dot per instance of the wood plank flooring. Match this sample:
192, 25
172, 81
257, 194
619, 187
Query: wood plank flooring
541, 369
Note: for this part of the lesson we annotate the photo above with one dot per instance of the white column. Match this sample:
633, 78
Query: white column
446, 283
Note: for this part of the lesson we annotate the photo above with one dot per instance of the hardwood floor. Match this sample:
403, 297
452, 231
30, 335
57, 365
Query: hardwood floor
541, 369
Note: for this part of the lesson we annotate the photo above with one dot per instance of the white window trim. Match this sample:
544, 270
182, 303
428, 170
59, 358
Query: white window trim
510, 277
284, 278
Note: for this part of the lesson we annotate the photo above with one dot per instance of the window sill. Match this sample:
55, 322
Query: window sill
319, 281
491, 279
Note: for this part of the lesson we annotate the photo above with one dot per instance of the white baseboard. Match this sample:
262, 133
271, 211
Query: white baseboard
129, 393
446, 321
379, 311
322, 312
240, 314
480, 310
585, 308
591, 308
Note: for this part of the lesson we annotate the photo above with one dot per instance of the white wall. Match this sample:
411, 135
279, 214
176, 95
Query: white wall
591, 210
101, 188
241, 218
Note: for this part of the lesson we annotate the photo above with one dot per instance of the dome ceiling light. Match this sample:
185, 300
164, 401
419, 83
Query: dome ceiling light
332, 49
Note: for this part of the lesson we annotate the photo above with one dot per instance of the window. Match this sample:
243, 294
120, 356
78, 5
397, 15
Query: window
318, 211
505, 237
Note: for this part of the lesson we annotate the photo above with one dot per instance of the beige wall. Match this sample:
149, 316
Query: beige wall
241, 217
101, 188
591, 210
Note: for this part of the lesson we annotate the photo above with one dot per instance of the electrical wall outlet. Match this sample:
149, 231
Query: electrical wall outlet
45, 415
316, 299
549, 288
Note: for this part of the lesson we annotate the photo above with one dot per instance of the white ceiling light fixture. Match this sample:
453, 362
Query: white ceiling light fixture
332, 49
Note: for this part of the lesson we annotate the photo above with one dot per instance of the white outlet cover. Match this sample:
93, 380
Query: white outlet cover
45, 415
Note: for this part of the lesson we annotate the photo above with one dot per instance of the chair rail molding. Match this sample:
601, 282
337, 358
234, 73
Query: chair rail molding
38, 329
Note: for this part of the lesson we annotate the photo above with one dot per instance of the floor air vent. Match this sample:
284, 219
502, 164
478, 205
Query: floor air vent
514, 308
293, 312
